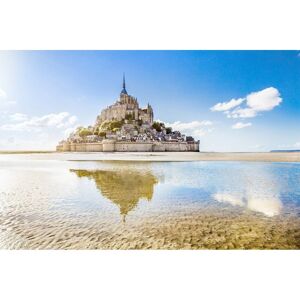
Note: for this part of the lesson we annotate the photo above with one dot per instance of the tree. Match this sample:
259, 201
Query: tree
102, 133
157, 126
129, 117
168, 130
85, 132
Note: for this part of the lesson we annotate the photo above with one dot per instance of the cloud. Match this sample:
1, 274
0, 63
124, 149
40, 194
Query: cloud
241, 113
228, 198
225, 106
297, 144
269, 206
2, 93
264, 100
194, 128
18, 117
240, 125
4, 101
21, 122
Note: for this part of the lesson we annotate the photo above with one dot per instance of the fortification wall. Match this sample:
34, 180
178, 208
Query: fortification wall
108, 146
113, 146
94, 147
134, 147
171, 147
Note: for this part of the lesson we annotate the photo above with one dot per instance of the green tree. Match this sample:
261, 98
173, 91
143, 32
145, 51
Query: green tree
157, 126
168, 130
102, 133
85, 132
129, 117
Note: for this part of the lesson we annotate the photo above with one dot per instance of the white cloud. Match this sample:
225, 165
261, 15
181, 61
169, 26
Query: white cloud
23, 123
269, 206
4, 101
2, 93
18, 117
241, 113
23, 132
240, 125
297, 144
264, 100
228, 198
225, 106
70, 130
194, 128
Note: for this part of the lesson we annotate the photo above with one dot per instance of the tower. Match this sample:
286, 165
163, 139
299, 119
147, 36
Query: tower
124, 86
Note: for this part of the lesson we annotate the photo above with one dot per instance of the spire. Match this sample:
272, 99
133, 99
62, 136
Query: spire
124, 86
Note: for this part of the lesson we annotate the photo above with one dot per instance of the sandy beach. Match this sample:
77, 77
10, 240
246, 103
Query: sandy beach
157, 156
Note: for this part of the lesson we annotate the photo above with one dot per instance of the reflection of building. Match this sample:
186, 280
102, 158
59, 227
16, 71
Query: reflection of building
124, 188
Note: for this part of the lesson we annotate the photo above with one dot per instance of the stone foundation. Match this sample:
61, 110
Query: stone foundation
120, 146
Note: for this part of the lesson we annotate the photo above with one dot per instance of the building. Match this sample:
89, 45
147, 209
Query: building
126, 107
125, 127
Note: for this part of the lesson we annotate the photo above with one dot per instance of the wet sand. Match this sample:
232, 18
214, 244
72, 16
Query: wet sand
59, 201
159, 156
198, 230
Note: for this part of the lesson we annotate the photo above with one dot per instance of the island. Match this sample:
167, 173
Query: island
125, 127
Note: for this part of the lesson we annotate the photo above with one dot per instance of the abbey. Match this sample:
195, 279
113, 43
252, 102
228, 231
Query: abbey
125, 127
126, 107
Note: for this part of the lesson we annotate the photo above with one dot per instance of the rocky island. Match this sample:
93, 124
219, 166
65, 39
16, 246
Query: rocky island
125, 127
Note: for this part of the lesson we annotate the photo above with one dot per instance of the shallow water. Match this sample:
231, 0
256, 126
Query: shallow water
56, 204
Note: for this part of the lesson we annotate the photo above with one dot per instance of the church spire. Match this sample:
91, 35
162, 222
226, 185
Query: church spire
124, 86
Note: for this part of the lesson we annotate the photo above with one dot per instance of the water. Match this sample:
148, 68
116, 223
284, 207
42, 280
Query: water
57, 204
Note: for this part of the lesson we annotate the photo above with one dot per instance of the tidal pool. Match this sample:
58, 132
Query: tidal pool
56, 204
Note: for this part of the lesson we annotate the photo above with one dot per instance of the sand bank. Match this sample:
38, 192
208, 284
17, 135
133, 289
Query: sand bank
160, 156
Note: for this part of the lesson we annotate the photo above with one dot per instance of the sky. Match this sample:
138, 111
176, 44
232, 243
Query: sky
230, 100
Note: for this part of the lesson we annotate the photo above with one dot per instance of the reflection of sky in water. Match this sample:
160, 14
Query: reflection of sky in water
257, 187
111, 189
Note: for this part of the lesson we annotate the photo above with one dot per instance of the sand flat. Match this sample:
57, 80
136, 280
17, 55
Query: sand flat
48, 201
156, 156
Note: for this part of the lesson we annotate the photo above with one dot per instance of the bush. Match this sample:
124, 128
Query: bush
102, 133
85, 132
158, 126
129, 117
168, 130
110, 125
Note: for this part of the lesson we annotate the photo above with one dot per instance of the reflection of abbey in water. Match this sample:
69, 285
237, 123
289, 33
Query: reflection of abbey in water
124, 188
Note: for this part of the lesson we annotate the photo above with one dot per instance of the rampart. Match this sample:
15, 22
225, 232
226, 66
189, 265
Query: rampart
127, 146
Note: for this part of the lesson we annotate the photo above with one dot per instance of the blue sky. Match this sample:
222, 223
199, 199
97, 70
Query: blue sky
45, 94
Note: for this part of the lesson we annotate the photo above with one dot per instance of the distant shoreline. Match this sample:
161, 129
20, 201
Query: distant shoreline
158, 156
25, 151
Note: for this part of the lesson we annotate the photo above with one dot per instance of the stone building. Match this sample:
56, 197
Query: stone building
126, 107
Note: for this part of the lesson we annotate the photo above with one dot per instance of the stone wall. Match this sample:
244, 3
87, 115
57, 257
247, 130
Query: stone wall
134, 147
114, 146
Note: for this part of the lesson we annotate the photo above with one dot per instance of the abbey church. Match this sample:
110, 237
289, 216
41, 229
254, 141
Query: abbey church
126, 107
